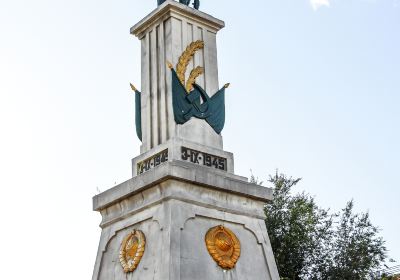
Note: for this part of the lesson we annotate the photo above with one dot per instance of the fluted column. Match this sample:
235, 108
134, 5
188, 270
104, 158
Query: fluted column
165, 33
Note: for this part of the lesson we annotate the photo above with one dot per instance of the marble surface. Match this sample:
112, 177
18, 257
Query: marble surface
174, 205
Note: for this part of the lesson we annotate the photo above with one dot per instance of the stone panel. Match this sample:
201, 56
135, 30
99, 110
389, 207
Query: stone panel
197, 264
149, 266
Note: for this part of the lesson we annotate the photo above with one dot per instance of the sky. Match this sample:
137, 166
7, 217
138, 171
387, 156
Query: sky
315, 93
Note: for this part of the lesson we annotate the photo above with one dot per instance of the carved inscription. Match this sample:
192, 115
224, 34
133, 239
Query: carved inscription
152, 162
205, 159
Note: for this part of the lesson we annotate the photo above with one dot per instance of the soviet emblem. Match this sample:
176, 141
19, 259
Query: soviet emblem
223, 246
132, 250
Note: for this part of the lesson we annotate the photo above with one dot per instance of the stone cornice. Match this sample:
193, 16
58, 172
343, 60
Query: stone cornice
172, 8
185, 172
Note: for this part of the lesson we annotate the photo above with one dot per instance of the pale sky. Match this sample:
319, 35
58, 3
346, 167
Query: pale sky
315, 93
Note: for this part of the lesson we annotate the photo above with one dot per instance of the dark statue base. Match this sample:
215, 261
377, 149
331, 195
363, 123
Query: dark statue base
196, 3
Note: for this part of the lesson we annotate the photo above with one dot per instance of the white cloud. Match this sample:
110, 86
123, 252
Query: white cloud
315, 4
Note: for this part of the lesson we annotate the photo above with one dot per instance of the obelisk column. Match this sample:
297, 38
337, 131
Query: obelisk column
165, 33
184, 214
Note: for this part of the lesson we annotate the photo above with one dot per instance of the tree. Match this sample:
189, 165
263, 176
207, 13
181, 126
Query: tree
357, 250
297, 228
394, 277
310, 243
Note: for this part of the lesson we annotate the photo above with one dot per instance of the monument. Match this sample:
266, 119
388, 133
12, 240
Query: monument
184, 214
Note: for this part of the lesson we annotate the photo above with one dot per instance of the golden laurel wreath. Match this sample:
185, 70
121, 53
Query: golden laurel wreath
183, 63
223, 246
132, 250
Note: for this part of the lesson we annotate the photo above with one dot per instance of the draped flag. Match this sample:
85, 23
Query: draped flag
188, 104
138, 112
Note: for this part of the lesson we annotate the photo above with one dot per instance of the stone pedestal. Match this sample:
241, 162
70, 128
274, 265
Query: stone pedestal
183, 183
175, 205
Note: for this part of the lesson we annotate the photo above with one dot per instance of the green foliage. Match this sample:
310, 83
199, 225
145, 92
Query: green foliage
394, 277
310, 243
357, 250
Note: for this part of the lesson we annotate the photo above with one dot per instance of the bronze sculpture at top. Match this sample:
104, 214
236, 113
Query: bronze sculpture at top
196, 3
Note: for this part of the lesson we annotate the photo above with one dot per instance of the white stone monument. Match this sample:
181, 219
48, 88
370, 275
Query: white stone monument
184, 215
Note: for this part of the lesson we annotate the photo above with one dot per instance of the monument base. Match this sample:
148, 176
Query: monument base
175, 205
